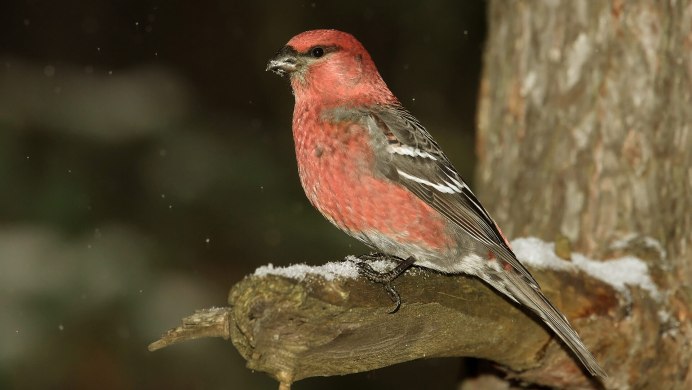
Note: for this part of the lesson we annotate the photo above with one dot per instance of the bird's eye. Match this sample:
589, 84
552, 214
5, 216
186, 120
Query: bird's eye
317, 52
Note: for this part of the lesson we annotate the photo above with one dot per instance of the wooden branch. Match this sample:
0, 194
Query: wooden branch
213, 322
297, 329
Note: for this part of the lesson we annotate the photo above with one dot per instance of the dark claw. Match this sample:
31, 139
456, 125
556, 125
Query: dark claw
394, 296
385, 278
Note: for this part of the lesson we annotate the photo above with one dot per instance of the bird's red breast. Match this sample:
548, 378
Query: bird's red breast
336, 166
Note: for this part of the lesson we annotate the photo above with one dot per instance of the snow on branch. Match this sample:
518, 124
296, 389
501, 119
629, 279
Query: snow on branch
532, 252
302, 321
619, 273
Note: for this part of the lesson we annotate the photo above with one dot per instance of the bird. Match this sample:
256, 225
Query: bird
372, 169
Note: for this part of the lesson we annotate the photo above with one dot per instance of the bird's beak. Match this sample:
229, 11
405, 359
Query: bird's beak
284, 62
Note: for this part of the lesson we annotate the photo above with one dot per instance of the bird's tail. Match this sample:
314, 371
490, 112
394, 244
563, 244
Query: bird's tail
516, 287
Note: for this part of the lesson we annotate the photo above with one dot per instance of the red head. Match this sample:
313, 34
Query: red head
330, 67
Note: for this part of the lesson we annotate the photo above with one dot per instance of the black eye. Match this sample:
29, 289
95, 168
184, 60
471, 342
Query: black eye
317, 52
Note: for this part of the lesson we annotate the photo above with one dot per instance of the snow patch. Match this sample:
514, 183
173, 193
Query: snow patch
346, 269
537, 253
533, 252
646, 241
619, 273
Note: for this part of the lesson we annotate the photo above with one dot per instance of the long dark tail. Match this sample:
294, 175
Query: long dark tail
516, 287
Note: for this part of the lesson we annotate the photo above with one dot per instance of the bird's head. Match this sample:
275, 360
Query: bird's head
332, 67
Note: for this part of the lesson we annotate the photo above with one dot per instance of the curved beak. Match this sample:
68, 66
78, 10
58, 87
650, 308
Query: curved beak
284, 62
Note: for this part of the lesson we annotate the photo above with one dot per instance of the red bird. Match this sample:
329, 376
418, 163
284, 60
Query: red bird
374, 171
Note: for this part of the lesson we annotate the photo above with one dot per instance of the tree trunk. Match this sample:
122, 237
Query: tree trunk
584, 133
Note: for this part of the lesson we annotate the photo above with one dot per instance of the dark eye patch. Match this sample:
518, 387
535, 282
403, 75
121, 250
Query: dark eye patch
318, 51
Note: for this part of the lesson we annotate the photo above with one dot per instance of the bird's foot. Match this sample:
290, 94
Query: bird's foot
374, 256
385, 278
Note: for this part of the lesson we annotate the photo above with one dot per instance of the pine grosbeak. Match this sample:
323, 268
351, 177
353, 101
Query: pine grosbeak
373, 171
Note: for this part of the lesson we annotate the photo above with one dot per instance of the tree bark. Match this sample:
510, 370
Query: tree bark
584, 132
295, 329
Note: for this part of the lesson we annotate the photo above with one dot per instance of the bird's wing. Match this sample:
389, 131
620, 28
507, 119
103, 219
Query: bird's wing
415, 161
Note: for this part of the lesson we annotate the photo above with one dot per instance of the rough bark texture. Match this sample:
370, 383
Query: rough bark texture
297, 329
584, 131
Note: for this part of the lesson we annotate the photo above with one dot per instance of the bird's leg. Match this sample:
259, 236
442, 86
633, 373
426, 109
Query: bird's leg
385, 278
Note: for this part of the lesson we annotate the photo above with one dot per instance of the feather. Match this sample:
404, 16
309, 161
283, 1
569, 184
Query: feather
427, 172
436, 181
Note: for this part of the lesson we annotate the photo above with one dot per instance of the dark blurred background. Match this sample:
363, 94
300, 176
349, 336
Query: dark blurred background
146, 165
